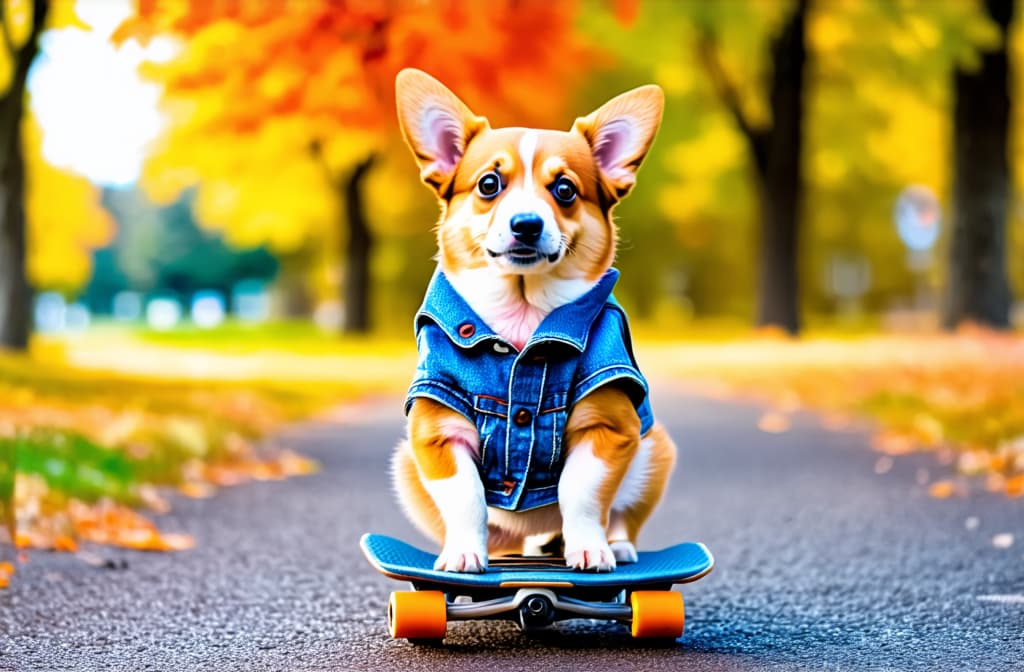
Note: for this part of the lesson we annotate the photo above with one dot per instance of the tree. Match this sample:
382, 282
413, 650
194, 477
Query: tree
876, 118
777, 153
978, 287
282, 118
66, 220
19, 50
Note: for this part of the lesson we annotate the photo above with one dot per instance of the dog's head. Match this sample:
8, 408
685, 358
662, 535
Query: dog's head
524, 201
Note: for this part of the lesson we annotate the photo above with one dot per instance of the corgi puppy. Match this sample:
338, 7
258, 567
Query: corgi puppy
527, 414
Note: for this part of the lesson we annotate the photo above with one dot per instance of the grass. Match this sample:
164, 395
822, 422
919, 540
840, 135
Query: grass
96, 423
961, 395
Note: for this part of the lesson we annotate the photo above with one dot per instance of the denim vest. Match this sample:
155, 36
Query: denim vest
520, 400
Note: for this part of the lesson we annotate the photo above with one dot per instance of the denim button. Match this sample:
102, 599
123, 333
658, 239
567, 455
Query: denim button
510, 486
522, 417
501, 348
466, 330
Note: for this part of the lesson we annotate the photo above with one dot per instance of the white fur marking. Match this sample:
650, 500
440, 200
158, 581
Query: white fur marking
523, 199
586, 544
527, 150
460, 501
634, 483
513, 309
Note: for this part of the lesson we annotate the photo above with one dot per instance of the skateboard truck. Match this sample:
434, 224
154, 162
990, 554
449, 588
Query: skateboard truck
536, 611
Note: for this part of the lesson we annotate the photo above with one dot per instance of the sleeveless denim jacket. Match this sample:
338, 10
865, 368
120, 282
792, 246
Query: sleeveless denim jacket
520, 400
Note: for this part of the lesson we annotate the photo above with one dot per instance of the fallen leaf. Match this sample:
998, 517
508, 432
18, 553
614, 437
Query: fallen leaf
1015, 486
892, 443
64, 543
197, 490
995, 483
773, 423
941, 489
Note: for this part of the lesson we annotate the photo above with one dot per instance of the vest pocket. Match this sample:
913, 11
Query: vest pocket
491, 416
546, 462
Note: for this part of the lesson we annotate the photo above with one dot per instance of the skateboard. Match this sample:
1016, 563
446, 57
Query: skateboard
535, 591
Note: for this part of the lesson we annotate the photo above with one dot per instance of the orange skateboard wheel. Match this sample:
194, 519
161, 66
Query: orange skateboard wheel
657, 613
420, 615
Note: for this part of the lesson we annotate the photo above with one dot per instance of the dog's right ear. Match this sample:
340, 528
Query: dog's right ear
436, 125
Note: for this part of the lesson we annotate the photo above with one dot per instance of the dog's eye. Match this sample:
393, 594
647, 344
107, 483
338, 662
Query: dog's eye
489, 185
564, 190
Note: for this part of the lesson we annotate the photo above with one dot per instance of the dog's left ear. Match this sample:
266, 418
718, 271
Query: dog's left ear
437, 125
619, 133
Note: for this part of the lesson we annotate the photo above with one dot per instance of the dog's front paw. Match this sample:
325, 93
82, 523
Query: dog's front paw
462, 560
594, 557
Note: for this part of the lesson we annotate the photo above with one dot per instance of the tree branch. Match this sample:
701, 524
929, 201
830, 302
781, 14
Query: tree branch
5, 29
757, 139
317, 152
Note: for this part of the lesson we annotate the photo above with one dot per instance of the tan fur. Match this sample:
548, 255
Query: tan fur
606, 419
431, 447
662, 463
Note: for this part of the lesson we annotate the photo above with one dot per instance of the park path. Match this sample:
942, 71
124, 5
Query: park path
822, 564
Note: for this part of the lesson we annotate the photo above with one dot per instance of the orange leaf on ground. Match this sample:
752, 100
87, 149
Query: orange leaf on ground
6, 572
197, 490
65, 543
995, 483
294, 464
1015, 486
941, 489
892, 443
108, 523
773, 423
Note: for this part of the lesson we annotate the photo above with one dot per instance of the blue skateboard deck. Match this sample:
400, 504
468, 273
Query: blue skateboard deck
536, 591
681, 563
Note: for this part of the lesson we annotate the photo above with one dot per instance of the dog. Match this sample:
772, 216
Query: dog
527, 415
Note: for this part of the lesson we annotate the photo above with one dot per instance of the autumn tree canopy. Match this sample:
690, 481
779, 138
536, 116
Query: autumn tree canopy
277, 117
877, 118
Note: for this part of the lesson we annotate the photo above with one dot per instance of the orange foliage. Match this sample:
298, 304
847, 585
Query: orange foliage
338, 59
266, 104
6, 572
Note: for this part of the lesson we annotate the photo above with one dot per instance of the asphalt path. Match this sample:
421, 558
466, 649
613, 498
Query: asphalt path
822, 564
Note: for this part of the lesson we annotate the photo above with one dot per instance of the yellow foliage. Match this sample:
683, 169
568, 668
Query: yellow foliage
676, 78
18, 20
65, 219
698, 164
912, 146
827, 32
269, 111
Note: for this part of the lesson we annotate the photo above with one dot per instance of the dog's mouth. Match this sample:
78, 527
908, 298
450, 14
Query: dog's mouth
524, 255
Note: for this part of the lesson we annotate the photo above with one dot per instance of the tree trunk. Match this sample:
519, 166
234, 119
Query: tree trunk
357, 253
776, 152
15, 291
978, 286
778, 302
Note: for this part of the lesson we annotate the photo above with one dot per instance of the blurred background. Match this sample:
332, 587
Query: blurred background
217, 191
192, 164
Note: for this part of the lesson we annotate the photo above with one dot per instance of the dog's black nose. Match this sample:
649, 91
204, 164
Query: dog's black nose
526, 227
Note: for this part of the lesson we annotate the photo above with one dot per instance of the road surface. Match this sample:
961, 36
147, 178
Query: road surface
822, 564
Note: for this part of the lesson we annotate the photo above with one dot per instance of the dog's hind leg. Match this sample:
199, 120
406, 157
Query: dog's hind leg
416, 502
640, 491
